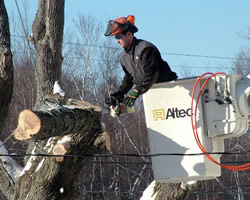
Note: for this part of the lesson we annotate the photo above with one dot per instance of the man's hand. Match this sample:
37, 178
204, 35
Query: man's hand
131, 98
119, 95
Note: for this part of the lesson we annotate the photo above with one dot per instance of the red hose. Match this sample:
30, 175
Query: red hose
194, 123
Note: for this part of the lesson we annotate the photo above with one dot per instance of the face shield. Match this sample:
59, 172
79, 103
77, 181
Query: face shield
114, 28
120, 25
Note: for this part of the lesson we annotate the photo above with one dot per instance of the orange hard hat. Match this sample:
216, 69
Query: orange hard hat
120, 25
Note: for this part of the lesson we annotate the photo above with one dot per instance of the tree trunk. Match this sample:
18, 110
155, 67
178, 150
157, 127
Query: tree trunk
57, 177
47, 38
172, 191
6, 65
6, 87
168, 191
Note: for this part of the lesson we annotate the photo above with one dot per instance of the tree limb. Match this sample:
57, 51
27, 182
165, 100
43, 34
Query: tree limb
59, 121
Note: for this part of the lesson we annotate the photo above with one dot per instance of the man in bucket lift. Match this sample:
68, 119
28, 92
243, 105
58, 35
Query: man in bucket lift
141, 61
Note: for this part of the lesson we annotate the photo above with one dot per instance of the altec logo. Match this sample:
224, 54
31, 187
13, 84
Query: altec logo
160, 114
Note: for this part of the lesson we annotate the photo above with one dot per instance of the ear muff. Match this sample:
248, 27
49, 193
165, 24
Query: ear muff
131, 19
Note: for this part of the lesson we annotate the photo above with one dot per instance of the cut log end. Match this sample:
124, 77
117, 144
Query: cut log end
60, 149
29, 124
102, 142
20, 135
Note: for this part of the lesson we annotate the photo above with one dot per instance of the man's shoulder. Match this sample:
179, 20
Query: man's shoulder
142, 44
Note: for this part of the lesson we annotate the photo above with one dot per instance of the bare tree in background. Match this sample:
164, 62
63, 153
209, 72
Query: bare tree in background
92, 64
242, 64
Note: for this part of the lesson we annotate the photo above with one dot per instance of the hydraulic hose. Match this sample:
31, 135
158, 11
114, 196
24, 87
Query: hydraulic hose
194, 122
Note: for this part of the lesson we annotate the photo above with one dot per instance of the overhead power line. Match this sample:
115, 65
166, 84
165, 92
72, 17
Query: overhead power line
172, 65
216, 193
127, 155
197, 67
163, 53
204, 56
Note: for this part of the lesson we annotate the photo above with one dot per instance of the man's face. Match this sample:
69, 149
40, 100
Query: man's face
124, 40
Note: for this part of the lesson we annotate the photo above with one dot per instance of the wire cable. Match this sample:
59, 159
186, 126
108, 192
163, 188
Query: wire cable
205, 56
129, 155
163, 53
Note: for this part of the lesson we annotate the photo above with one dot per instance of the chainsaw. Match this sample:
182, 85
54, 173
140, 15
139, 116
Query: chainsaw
116, 108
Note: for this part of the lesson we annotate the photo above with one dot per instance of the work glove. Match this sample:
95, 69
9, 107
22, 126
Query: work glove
119, 95
131, 98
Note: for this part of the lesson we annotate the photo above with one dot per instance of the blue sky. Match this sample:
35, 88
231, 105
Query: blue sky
194, 27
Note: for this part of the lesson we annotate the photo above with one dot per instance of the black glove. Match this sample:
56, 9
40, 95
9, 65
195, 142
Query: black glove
119, 95
130, 99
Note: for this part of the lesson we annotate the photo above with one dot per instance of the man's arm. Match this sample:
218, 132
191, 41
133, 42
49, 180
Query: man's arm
127, 82
150, 62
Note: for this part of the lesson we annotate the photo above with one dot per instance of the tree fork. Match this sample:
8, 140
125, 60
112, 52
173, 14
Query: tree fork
82, 133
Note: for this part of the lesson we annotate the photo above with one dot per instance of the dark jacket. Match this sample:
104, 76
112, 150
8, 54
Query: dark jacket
144, 66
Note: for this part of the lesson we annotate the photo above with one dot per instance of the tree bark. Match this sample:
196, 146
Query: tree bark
172, 191
47, 38
168, 191
6, 88
7, 184
6, 65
